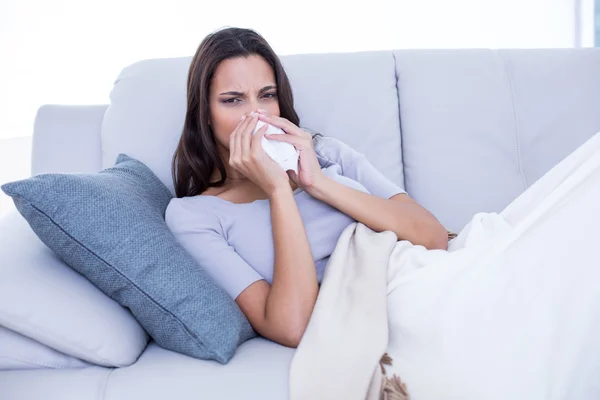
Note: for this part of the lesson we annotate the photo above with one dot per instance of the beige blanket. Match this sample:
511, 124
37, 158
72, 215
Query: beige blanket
489, 318
348, 333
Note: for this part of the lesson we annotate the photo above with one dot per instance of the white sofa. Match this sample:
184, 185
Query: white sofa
462, 130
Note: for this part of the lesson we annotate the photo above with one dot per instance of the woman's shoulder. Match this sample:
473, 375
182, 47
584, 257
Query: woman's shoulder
199, 210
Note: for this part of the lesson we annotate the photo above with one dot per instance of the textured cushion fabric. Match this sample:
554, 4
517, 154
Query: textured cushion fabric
20, 352
42, 298
480, 126
110, 227
349, 96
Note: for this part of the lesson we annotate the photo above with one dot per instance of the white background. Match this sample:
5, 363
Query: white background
70, 51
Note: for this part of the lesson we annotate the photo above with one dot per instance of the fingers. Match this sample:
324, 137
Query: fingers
275, 121
232, 151
233, 138
239, 142
256, 145
246, 137
281, 123
298, 142
291, 139
293, 176
235, 141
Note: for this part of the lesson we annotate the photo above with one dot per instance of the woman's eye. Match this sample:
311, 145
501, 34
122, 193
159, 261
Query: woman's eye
270, 95
230, 101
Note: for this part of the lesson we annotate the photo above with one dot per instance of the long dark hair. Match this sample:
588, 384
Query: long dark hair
197, 156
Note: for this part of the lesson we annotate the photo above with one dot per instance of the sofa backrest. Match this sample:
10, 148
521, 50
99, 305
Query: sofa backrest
462, 130
480, 126
349, 96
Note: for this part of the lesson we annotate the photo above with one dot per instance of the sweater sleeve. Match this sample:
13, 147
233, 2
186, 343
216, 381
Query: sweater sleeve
200, 234
356, 166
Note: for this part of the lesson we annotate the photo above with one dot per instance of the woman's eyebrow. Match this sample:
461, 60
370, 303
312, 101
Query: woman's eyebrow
269, 87
233, 93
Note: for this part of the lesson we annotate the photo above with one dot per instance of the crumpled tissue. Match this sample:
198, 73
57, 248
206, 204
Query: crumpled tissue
282, 153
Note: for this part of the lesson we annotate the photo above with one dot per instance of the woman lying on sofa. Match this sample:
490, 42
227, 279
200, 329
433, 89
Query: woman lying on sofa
263, 234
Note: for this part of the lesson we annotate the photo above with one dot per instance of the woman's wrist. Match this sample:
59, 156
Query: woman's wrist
279, 190
318, 189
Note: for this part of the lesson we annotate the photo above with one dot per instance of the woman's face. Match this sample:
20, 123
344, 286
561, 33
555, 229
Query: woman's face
239, 86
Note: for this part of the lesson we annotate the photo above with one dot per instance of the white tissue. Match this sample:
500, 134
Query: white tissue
282, 153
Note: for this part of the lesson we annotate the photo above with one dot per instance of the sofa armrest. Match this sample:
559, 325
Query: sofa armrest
66, 139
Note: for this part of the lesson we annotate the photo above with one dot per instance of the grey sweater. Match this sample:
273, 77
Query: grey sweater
234, 242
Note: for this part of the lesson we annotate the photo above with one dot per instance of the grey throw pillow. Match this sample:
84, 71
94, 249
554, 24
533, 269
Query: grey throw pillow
110, 227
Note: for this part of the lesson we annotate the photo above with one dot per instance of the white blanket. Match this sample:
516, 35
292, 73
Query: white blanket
510, 311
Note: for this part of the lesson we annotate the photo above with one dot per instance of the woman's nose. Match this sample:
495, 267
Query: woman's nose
252, 105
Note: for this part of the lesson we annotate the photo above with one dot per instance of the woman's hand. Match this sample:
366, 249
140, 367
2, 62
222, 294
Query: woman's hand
247, 156
309, 170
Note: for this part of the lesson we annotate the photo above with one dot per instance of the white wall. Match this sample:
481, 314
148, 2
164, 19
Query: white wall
70, 51
15, 163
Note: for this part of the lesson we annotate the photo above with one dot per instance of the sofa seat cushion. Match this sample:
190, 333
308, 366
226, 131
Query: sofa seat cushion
259, 370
